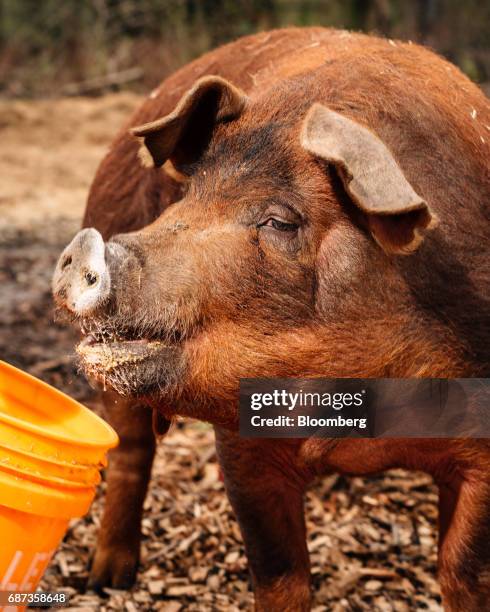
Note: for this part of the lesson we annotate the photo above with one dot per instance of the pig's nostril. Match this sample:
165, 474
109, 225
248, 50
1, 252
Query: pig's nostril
91, 278
66, 262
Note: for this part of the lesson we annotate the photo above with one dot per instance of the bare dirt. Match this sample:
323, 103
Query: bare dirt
372, 541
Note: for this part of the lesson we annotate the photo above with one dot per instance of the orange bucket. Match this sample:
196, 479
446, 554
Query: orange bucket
51, 451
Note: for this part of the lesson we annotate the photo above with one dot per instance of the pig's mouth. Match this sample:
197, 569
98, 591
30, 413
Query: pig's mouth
115, 352
130, 364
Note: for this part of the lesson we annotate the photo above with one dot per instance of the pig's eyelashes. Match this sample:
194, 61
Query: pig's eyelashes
281, 226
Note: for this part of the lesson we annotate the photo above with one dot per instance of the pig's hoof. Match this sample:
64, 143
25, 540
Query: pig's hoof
113, 568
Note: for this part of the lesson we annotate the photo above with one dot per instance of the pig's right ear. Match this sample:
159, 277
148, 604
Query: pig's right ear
183, 135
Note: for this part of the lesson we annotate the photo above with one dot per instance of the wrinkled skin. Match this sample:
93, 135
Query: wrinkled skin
262, 265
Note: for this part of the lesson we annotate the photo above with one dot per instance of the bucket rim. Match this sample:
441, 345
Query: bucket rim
111, 439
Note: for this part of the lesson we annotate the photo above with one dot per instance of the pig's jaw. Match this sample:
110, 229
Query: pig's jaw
131, 367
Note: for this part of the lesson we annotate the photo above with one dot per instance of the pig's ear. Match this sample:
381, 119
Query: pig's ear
395, 214
183, 135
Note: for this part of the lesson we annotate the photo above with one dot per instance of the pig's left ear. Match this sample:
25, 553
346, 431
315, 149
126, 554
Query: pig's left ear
183, 134
395, 214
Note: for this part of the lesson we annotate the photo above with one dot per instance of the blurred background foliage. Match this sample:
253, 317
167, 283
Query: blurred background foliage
59, 47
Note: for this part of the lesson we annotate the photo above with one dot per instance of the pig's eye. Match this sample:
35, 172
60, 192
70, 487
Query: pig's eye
281, 226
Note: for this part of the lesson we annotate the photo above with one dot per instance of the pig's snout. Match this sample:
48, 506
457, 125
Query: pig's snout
81, 281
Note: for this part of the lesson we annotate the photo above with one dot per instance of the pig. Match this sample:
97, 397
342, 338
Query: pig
298, 203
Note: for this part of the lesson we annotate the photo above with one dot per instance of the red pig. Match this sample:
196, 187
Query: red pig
316, 205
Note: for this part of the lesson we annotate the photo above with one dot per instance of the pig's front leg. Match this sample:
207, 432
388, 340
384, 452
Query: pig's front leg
116, 558
267, 496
